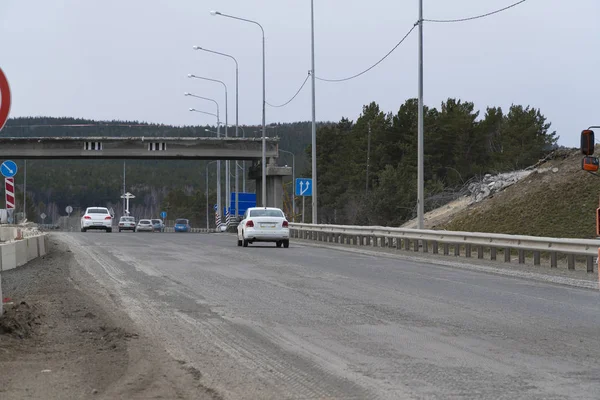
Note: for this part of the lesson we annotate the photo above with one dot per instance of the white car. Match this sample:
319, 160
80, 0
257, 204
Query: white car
263, 224
127, 224
145, 225
96, 218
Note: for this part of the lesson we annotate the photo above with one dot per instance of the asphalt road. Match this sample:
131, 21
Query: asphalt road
314, 323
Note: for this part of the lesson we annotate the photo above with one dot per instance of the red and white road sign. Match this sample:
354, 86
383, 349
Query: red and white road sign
4, 99
9, 187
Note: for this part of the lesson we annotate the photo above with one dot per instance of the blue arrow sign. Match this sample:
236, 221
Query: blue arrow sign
216, 207
163, 214
9, 168
303, 187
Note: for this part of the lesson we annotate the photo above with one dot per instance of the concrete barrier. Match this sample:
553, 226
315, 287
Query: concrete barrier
15, 253
32, 248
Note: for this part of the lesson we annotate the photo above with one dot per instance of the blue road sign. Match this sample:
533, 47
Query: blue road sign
163, 214
303, 187
245, 201
9, 168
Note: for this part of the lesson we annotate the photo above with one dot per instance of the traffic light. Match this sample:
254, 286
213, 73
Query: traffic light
587, 142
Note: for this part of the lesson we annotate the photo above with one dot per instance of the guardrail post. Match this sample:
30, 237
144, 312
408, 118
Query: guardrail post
571, 261
521, 256
406, 244
536, 258
480, 252
507, 254
434, 246
457, 249
446, 249
493, 253
590, 263
416, 246
468, 250
425, 246
553, 260
398, 243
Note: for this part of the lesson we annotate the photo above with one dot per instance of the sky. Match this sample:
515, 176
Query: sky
129, 59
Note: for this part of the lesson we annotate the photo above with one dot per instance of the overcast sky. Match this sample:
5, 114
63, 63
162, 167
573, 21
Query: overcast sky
129, 59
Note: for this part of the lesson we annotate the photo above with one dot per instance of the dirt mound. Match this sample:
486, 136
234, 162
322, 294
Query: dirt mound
20, 320
552, 198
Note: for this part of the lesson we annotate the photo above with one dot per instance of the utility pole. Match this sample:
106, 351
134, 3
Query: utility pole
420, 157
314, 123
25, 192
368, 158
124, 190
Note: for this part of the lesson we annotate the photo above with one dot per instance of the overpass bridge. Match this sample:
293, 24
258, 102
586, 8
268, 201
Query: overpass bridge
157, 148
141, 148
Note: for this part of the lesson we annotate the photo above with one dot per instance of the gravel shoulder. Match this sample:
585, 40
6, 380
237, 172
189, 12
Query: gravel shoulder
63, 337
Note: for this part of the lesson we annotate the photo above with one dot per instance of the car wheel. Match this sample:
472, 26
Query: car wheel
244, 241
119, 231
108, 230
82, 229
239, 242
278, 244
286, 244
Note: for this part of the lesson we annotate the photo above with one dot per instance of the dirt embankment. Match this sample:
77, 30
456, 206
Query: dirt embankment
557, 199
57, 342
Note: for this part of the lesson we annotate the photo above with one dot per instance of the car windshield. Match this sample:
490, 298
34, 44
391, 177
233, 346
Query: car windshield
144, 222
266, 213
127, 219
155, 221
97, 211
181, 222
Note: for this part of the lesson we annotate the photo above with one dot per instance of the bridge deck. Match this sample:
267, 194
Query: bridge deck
191, 148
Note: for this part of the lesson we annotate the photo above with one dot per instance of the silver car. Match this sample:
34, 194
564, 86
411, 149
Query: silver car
144, 225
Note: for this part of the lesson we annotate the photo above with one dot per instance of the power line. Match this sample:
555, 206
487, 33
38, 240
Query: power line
293, 97
374, 65
477, 16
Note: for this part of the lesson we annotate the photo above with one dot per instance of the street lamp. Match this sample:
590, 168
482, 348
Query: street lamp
293, 181
218, 135
236, 116
227, 200
264, 145
314, 123
206, 167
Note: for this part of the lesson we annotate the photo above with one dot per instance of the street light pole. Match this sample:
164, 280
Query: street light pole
218, 135
236, 118
420, 151
227, 186
314, 123
293, 182
207, 209
264, 101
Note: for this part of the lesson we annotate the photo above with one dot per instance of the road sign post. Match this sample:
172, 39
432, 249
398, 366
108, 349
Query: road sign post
4, 99
8, 168
304, 189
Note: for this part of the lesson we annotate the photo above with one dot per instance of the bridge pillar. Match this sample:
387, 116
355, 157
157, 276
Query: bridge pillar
275, 175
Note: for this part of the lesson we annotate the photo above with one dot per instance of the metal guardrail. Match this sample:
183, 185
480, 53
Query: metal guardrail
192, 230
422, 240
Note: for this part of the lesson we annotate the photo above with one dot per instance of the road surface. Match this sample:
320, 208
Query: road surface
315, 323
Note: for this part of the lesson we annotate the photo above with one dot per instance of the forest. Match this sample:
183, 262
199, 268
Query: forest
367, 168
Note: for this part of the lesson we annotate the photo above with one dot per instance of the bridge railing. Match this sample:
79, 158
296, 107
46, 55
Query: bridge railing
485, 245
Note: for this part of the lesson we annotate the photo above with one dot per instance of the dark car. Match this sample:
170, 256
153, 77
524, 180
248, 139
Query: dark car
182, 225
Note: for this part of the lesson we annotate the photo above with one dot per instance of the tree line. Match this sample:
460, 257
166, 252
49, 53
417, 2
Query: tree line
459, 145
